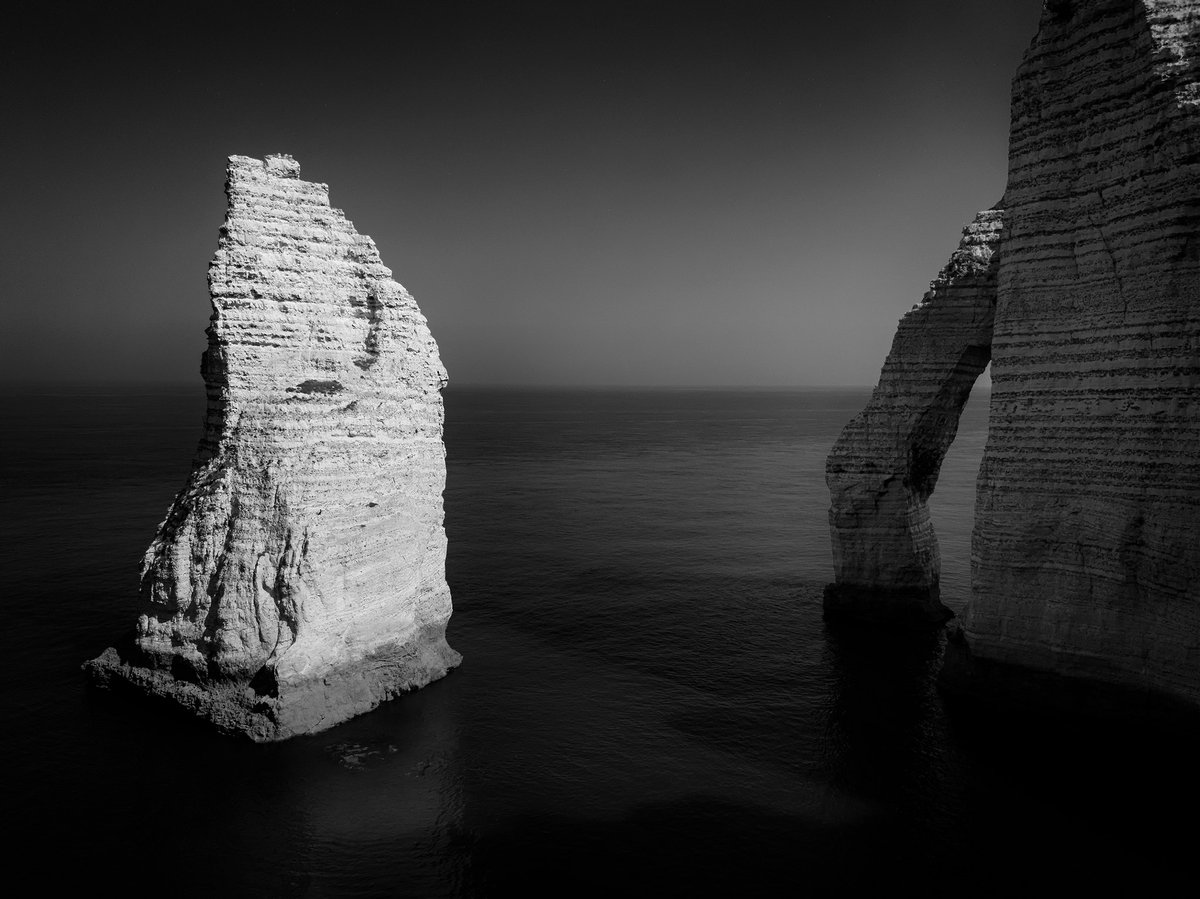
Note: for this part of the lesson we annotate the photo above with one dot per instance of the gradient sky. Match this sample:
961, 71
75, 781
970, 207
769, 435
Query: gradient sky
651, 193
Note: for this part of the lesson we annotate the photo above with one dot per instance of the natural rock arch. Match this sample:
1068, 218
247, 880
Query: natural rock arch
885, 464
1085, 550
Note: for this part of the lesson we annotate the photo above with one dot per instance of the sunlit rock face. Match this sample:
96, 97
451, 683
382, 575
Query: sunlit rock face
299, 577
1086, 545
1086, 548
885, 465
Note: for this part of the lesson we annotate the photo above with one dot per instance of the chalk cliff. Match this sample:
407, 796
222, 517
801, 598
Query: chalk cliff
1086, 548
885, 464
299, 577
1086, 545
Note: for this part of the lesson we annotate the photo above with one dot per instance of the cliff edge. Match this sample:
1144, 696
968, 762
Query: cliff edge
299, 577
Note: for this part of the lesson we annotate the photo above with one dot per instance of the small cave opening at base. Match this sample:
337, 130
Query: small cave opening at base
952, 503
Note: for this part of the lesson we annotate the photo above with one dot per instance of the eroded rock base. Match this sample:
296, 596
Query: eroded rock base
266, 711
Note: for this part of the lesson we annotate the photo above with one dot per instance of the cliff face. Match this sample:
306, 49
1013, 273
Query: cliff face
1086, 548
299, 577
1086, 545
885, 464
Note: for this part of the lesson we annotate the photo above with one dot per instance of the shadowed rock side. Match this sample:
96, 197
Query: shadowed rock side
1086, 547
885, 464
299, 577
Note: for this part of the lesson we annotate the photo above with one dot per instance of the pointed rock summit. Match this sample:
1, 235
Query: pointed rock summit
299, 577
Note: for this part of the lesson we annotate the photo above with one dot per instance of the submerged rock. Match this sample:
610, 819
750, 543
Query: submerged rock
1086, 544
299, 577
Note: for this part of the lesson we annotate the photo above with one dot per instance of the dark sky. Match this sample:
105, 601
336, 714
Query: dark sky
612, 193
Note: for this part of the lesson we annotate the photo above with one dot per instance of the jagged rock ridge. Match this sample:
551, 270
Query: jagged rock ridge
299, 577
1086, 545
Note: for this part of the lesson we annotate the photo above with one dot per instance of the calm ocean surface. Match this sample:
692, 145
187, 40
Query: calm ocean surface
650, 702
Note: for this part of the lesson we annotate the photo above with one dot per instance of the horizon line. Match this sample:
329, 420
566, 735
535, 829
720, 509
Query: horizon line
83, 385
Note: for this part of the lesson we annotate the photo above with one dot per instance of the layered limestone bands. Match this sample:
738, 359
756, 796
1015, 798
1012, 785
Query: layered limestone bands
1086, 543
299, 577
885, 465
1086, 548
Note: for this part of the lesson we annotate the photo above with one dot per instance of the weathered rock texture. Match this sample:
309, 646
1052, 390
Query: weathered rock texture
886, 462
1086, 549
1086, 546
299, 577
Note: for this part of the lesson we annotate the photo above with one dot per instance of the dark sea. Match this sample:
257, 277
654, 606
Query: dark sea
650, 702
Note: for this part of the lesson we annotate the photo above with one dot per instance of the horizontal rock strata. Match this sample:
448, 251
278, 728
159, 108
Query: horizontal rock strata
1086, 548
1086, 544
299, 577
885, 464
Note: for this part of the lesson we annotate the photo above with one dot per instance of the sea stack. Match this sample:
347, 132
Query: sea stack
1085, 579
298, 579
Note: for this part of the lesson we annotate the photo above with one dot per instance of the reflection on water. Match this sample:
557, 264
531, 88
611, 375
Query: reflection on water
885, 725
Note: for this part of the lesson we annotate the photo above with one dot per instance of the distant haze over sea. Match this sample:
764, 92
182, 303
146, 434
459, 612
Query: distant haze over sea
575, 193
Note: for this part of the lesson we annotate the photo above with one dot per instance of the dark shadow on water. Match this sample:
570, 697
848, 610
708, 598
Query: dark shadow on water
695, 847
884, 711
708, 847
996, 801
